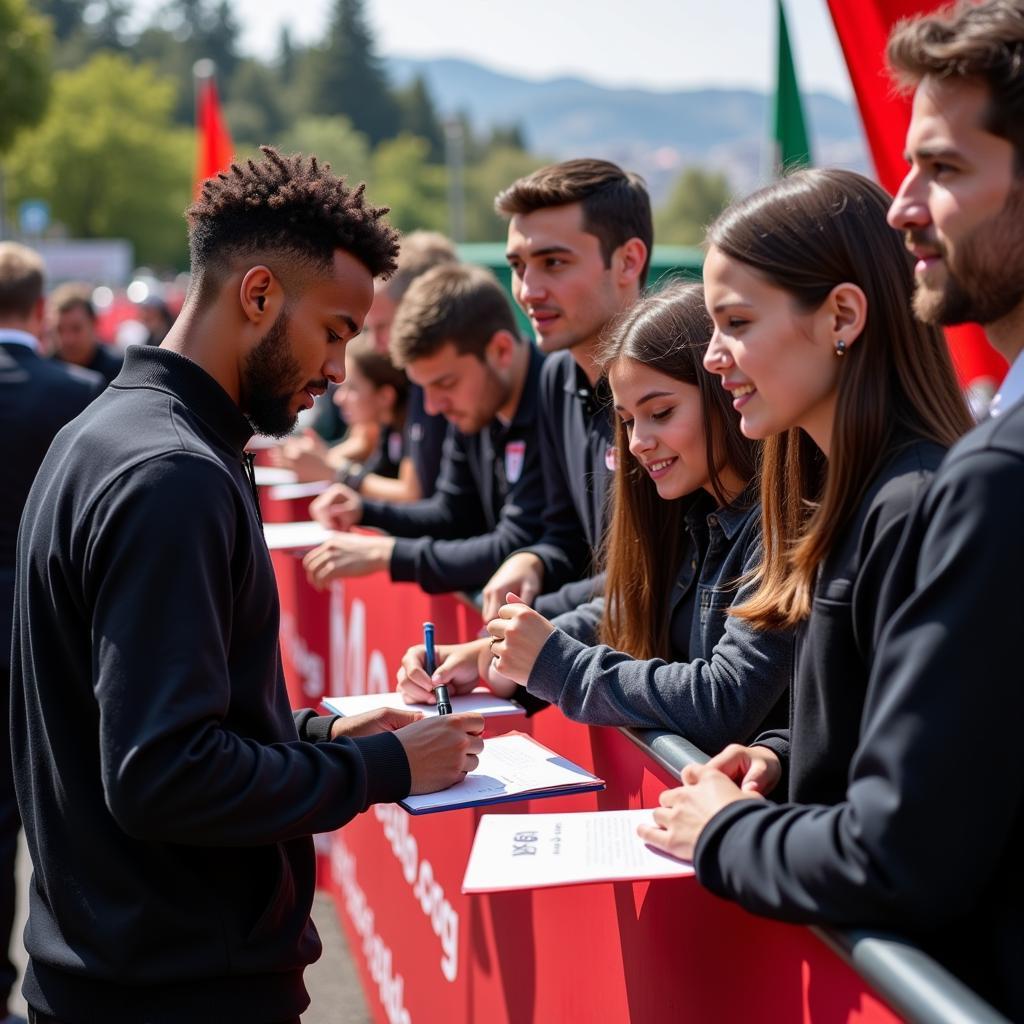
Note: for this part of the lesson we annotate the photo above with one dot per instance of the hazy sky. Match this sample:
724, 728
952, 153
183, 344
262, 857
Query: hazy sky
654, 43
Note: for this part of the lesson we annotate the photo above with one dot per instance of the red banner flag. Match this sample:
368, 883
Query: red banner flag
863, 28
214, 149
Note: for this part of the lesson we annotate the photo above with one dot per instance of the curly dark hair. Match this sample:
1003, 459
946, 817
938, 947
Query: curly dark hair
289, 204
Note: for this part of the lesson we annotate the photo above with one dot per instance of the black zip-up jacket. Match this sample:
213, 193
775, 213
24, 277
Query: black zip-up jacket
578, 445
488, 502
424, 440
167, 796
928, 837
835, 645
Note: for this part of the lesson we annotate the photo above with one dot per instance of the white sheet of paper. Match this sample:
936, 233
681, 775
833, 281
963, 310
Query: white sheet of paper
294, 536
509, 765
310, 489
260, 442
269, 476
535, 851
482, 701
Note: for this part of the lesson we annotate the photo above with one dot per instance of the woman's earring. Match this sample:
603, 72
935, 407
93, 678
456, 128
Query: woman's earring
840, 347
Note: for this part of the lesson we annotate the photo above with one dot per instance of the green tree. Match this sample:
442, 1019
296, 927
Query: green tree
109, 160
65, 16
25, 47
418, 116
496, 170
345, 75
696, 199
332, 140
182, 32
253, 103
403, 178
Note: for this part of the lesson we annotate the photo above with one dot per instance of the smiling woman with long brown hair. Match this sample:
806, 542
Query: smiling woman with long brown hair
856, 400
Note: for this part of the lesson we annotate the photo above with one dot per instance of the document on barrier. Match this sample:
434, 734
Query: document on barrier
294, 536
537, 851
290, 492
483, 702
512, 767
271, 476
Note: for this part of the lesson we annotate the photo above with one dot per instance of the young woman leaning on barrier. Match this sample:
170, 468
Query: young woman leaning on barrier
660, 651
856, 401
373, 394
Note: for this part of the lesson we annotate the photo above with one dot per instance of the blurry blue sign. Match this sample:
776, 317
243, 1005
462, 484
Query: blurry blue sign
33, 216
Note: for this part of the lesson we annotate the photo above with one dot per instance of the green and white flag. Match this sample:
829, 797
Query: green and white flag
790, 145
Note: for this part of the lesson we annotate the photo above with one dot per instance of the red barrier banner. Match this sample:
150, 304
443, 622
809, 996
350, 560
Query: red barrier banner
610, 952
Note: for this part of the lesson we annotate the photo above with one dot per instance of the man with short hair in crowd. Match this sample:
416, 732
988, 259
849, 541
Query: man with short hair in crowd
455, 334
74, 331
929, 840
579, 244
168, 792
37, 397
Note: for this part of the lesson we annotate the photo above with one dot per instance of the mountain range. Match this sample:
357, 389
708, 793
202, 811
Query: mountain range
655, 133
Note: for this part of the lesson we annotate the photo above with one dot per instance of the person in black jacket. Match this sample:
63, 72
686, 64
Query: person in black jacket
37, 397
579, 245
168, 793
926, 836
455, 334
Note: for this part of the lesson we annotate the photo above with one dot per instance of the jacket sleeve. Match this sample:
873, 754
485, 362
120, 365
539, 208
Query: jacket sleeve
578, 594
170, 770
582, 622
712, 701
440, 565
453, 510
945, 679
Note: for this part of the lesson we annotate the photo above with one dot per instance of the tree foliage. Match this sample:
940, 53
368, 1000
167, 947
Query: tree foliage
345, 76
333, 140
403, 178
417, 116
696, 199
109, 160
25, 45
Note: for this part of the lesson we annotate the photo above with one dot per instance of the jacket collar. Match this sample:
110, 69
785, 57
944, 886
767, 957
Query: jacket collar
9, 336
160, 369
730, 519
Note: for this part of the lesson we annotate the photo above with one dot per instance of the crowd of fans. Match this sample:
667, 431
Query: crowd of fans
752, 511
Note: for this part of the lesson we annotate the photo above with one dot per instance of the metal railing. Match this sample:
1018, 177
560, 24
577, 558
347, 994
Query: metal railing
917, 987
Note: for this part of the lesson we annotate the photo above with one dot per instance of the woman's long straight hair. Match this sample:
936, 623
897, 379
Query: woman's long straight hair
806, 234
668, 331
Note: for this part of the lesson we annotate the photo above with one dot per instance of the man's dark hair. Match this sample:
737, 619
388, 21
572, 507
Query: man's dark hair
978, 42
21, 280
454, 303
291, 205
73, 296
615, 203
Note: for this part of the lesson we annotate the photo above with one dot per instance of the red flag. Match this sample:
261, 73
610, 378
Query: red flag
863, 27
214, 150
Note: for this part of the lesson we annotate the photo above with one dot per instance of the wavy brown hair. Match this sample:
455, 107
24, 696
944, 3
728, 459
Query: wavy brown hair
806, 234
668, 331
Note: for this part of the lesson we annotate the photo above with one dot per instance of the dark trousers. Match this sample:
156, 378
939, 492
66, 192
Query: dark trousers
10, 824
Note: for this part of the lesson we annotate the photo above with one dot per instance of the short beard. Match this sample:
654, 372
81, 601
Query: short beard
270, 380
989, 283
